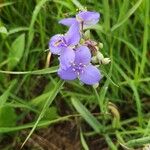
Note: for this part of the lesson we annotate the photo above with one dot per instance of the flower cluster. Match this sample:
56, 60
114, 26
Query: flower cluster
76, 51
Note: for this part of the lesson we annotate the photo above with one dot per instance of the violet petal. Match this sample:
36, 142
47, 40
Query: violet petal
91, 75
72, 37
67, 21
89, 18
67, 56
82, 55
67, 74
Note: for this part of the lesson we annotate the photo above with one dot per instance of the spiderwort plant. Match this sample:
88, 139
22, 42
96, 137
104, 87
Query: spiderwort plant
76, 52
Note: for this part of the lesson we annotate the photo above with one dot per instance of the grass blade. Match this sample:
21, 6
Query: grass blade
17, 50
4, 96
46, 105
83, 142
128, 14
145, 38
138, 142
36, 72
90, 119
31, 31
6, 4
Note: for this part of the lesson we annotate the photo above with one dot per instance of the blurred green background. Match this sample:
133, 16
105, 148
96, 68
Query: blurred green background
39, 111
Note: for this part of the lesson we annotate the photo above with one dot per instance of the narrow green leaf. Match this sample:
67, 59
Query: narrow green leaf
18, 29
128, 14
138, 142
45, 107
110, 143
30, 125
90, 119
78, 4
136, 94
37, 9
40, 99
145, 37
8, 116
4, 96
106, 15
16, 52
35, 72
83, 142
6, 4
138, 102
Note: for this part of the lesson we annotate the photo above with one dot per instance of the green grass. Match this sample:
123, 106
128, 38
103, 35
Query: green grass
28, 86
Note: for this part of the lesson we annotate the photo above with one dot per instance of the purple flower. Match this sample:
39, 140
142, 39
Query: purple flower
63, 45
84, 19
81, 68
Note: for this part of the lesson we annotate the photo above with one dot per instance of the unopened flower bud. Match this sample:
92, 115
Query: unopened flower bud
100, 56
87, 34
3, 30
106, 61
82, 41
97, 48
95, 85
94, 59
101, 45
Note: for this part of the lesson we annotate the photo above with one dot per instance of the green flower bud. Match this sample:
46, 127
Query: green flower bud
96, 85
3, 30
100, 56
101, 45
94, 59
87, 34
106, 61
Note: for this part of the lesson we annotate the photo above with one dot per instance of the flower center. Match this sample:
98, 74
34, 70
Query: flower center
57, 43
60, 42
78, 68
